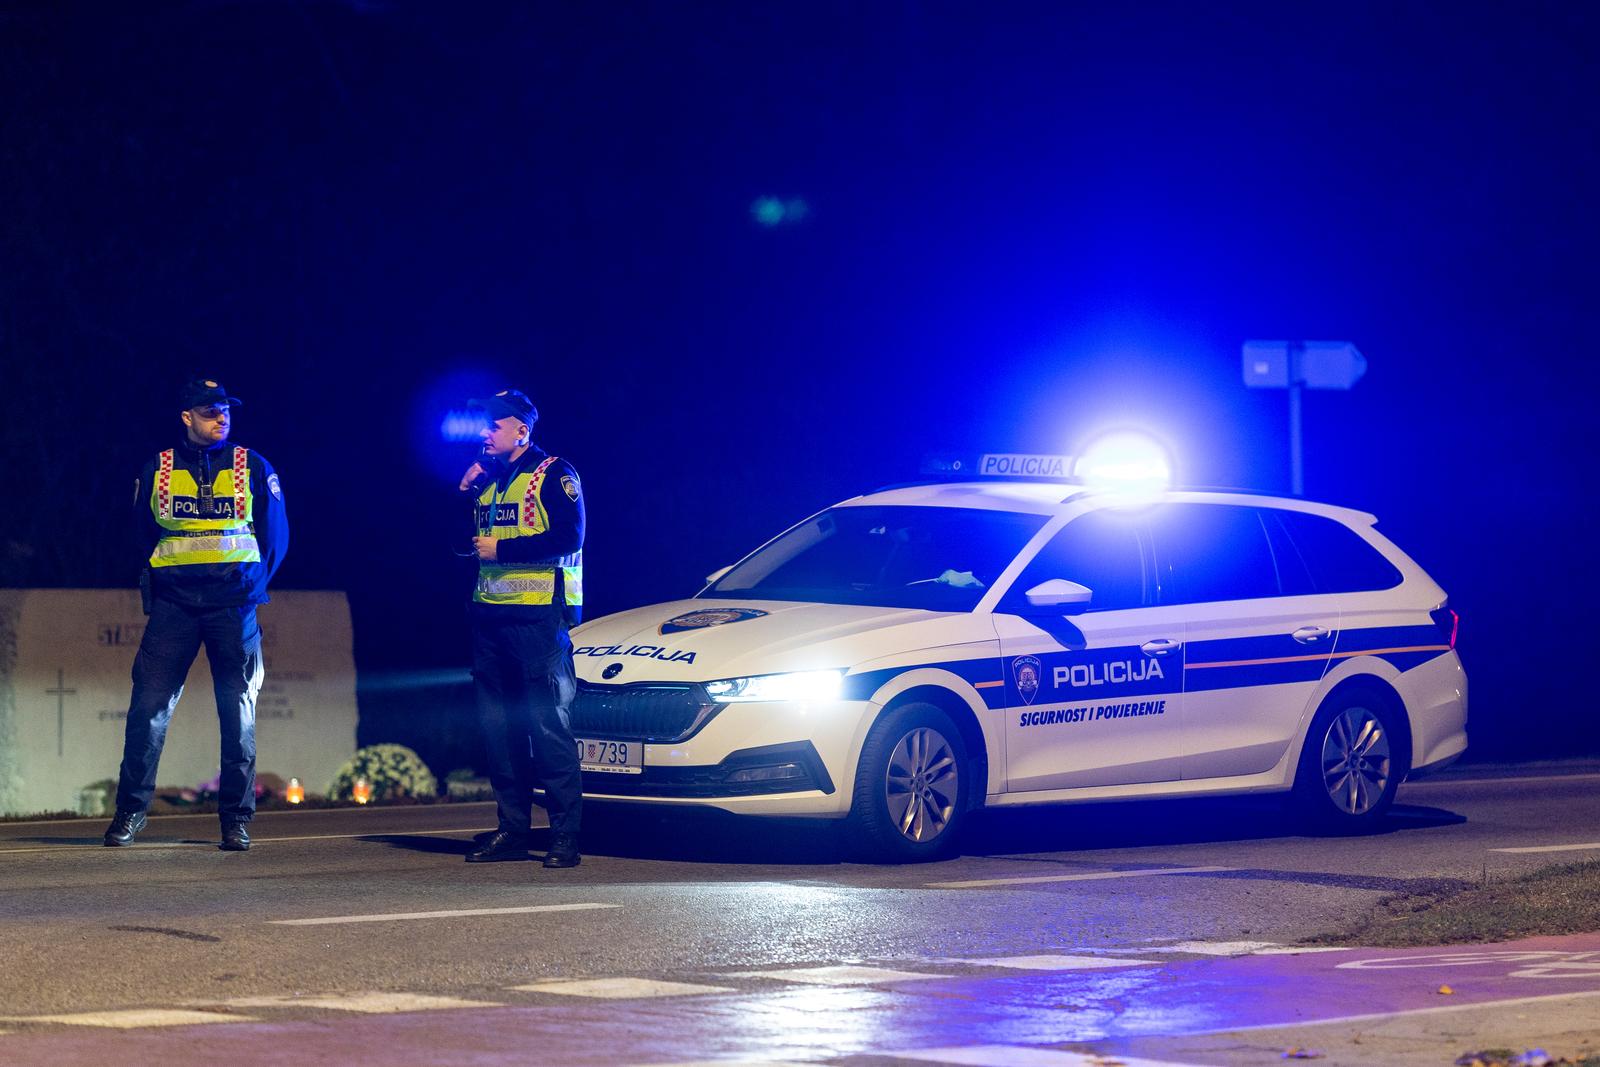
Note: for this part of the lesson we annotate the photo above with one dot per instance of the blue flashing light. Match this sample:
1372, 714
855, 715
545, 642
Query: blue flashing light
465, 424
770, 211
1125, 460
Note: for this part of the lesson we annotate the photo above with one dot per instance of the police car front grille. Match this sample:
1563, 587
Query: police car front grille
640, 712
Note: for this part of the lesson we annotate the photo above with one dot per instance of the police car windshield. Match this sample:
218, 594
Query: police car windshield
937, 559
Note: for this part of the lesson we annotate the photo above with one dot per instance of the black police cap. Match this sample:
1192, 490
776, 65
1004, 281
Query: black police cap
203, 392
508, 403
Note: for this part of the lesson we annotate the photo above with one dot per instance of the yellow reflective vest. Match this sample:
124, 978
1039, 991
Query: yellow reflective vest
203, 524
515, 511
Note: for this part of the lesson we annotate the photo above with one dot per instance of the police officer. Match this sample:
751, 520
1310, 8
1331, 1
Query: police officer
213, 514
530, 590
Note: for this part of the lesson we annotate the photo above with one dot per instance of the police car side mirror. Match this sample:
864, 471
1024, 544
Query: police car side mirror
1059, 594
717, 575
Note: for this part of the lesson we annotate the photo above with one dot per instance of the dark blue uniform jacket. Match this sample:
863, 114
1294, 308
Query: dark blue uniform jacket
215, 585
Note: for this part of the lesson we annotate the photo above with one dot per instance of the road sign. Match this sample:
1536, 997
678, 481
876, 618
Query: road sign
1314, 364
1296, 366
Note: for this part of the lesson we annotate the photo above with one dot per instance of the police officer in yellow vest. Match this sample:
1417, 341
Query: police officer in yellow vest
529, 546
215, 521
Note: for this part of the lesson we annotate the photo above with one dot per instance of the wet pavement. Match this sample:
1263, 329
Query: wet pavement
1154, 933
1044, 1008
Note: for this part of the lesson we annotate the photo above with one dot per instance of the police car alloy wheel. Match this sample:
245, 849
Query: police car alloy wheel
911, 787
1349, 770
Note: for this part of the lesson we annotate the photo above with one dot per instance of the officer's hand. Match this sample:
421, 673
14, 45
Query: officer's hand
474, 472
486, 549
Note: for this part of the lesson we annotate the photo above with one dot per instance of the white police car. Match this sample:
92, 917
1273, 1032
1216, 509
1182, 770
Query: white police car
907, 656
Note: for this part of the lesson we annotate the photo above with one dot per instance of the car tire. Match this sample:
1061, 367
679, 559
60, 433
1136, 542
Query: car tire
1352, 762
912, 787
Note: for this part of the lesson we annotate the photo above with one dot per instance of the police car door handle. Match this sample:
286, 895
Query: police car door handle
1159, 647
1308, 634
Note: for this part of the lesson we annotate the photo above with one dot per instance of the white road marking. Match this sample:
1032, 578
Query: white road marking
403, 915
980, 883
136, 1018
366, 1003
1589, 847
1209, 948
1374, 1016
1529, 963
1232, 948
742, 1062
621, 988
841, 975
285, 813
1025, 1056
1049, 962
370, 833
93, 848
1522, 780
90, 848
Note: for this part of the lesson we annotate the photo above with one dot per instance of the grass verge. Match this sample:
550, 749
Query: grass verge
1564, 899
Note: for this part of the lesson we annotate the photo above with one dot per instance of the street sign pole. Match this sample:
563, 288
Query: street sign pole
1297, 366
1297, 466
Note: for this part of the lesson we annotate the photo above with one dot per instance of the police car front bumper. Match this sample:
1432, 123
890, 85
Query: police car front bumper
759, 757
794, 767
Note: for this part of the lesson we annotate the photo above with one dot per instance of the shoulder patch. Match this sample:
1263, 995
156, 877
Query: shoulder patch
569, 483
272, 484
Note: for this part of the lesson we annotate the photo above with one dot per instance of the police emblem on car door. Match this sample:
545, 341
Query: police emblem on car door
1025, 676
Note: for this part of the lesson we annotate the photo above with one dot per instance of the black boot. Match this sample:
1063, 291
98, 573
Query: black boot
502, 846
124, 828
563, 851
235, 838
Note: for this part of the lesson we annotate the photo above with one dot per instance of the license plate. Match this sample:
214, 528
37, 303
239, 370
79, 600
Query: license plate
611, 757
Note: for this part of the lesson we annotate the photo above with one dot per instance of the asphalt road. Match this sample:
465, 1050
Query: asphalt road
349, 927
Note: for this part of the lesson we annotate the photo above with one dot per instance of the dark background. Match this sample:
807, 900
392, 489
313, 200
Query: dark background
1026, 223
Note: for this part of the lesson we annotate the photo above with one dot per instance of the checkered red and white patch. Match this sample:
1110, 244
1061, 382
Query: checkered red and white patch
241, 482
530, 499
164, 486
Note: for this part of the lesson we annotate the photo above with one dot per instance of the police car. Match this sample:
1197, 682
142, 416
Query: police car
908, 656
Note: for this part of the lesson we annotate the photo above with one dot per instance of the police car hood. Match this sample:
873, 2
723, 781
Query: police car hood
700, 640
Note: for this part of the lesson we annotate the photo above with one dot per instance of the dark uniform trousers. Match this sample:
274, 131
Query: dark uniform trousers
525, 684
172, 639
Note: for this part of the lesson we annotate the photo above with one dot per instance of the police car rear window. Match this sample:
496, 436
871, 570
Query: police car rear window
1338, 559
937, 559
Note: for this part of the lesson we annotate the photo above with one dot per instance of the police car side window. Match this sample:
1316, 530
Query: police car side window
1207, 552
1339, 560
1294, 574
1099, 550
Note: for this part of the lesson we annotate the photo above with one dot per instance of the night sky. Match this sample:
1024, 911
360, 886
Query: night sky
1023, 224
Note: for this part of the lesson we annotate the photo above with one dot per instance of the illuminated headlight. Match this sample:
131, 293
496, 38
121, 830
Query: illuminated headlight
801, 685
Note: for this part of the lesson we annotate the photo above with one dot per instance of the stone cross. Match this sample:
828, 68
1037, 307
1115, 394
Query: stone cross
60, 692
